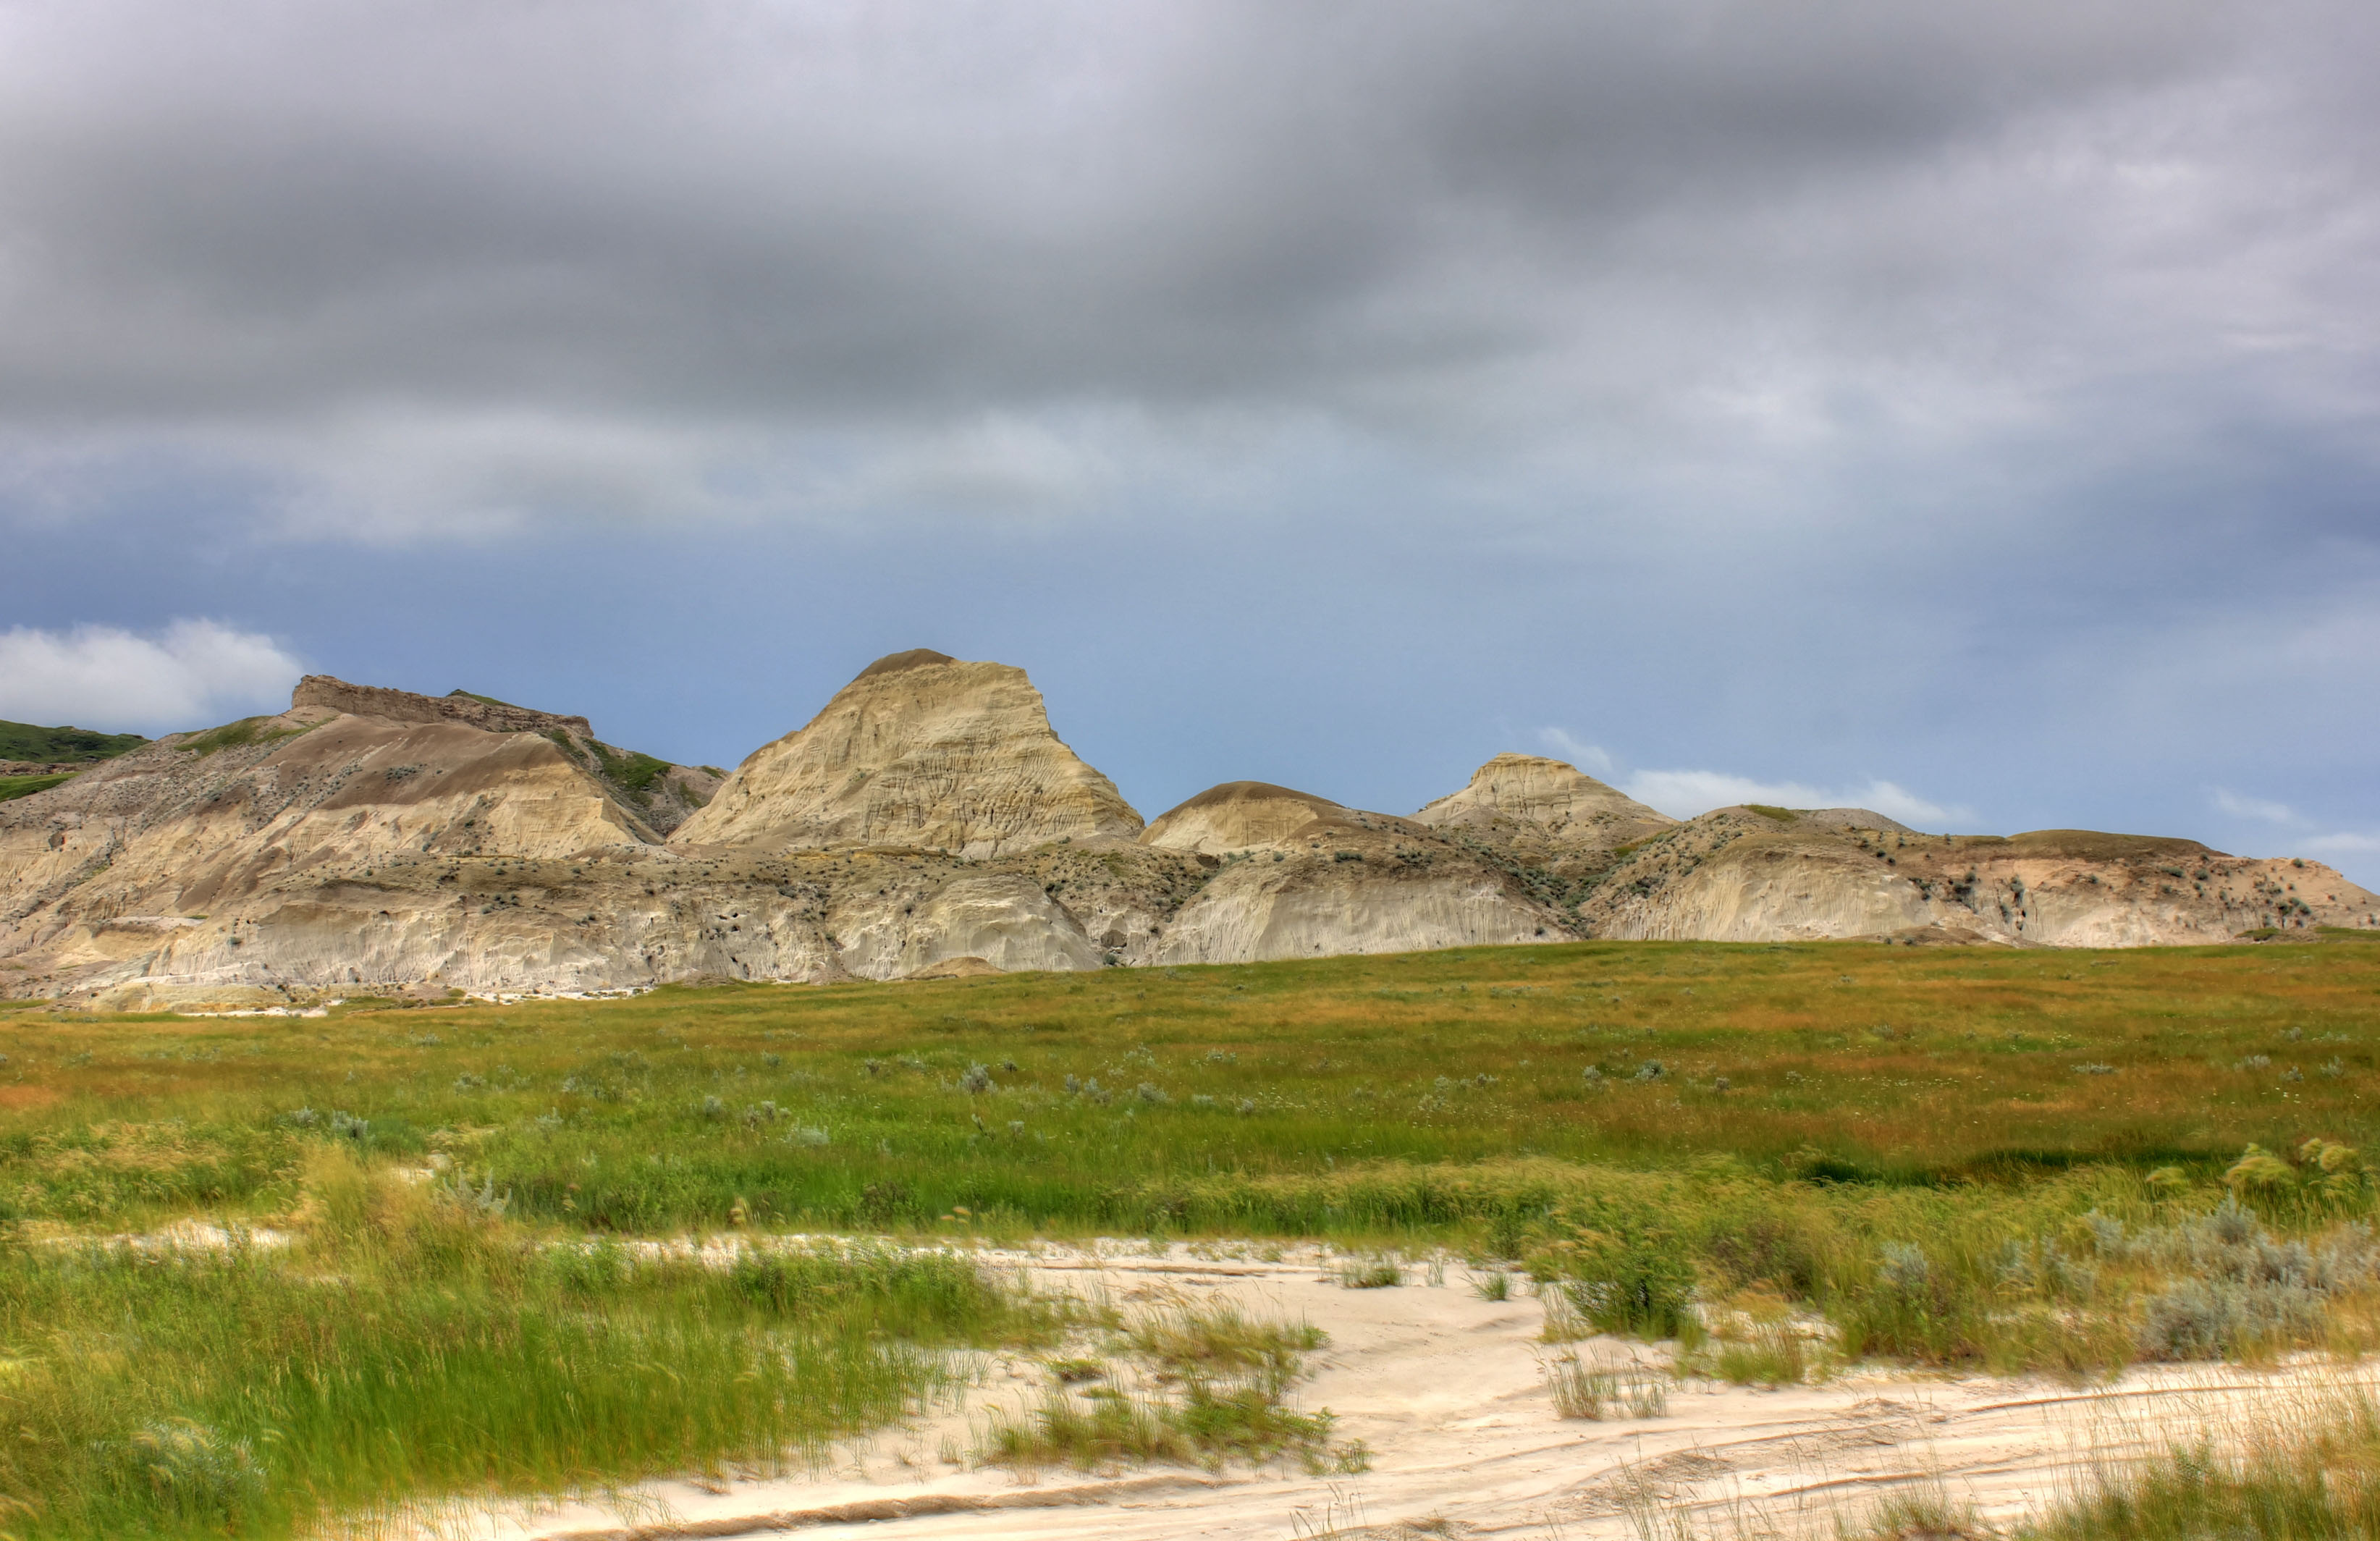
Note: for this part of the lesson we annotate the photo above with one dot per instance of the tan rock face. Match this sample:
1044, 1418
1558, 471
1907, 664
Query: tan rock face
1530, 789
1302, 876
382, 841
658, 794
1242, 816
1543, 812
329, 693
1736, 875
452, 843
920, 752
1317, 905
1000, 918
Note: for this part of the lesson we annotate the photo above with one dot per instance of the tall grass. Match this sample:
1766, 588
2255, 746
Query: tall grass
1604, 1387
1216, 1390
410, 1346
2313, 1473
2083, 1273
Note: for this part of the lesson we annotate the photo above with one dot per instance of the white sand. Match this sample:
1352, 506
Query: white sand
1445, 1390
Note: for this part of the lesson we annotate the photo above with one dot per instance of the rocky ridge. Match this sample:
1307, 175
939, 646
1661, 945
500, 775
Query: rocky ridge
1301, 876
1765, 875
929, 822
660, 793
920, 752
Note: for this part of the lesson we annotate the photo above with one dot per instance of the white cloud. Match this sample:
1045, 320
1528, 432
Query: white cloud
1684, 794
192, 674
2255, 807
2345, 843
1586, 756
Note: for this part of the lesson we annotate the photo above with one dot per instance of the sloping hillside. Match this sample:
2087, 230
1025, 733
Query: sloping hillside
919, 751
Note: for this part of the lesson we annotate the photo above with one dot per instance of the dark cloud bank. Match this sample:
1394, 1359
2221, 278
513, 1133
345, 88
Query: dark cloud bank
1975, 400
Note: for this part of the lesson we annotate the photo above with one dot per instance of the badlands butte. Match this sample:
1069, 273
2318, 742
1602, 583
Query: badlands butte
929, 821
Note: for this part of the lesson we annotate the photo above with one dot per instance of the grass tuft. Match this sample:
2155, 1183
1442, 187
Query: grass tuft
1216, 1392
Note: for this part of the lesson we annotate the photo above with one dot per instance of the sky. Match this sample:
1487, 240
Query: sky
1965, 412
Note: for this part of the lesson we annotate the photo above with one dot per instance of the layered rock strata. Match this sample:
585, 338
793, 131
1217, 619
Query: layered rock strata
929, 824
1745, 875
920, 752
331, 694
1246, 816
1301, 876
1544, 806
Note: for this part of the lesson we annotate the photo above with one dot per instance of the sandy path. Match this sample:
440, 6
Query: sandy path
1446, 1390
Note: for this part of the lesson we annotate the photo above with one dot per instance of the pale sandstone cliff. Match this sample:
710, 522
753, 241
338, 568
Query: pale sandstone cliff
1304, 877
171, 861
371, 839
1544, 817
1740, 875
923, 751
328, 693
1244, 816
1549, 799
1317, 905
658, 794
375, 839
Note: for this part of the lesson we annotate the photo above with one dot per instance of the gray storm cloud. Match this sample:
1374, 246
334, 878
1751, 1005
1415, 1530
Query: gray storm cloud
442, 263
1971, 406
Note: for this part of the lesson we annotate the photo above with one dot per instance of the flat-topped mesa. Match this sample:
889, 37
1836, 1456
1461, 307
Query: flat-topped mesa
1530, 789
1242, 816
404, 705
654, 792
923, 751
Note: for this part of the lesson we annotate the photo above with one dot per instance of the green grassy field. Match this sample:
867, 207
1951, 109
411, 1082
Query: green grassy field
1253, 1101
2005, 1159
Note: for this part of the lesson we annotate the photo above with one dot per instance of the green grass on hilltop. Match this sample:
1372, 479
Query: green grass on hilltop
23, 741
13, 787
237, 735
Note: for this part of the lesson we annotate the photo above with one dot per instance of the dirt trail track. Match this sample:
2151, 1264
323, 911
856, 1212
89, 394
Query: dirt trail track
1446, 1390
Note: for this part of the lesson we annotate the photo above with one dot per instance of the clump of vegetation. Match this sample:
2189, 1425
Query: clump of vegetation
1217, 1391
454, 1351
1370, 1273
1604, 1387
631, 769
2308, 1471
2122, 1269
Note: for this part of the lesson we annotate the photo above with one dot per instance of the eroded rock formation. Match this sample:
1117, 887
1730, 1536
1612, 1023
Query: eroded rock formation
1746, 875
921, 751
928, 823
1302, 876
